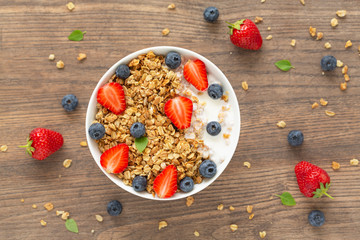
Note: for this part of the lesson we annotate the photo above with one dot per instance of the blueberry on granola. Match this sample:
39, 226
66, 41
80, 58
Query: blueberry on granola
69, 102
316, 218
139, 183
137, 130
114, 208
122, 71
211, 14
186, 184
213, 128
207, 169
295, 138
173, 60
215, 91
328, 63
96, 131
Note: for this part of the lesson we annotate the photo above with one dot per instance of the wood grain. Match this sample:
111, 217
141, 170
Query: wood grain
31, 90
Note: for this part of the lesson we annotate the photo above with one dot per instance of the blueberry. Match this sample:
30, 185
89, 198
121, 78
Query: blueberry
69, 102
139, 183
211, 14
215, 91
122, 71
173, 60
295, 138
96, 131
186, 184
213, 128
207, 169
114, 208
316, 218
328, 63
137, 130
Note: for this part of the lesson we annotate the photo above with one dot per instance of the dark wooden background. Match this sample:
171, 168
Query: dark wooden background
31, 88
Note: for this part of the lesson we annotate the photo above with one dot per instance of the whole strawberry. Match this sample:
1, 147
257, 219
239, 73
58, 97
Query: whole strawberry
43, 142
312, 180
245, 34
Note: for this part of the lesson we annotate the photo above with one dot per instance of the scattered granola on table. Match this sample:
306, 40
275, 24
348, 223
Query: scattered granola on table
48, 206
52, 57
247, 164
245, 86
34, 206
60, 64
327, 45
171, 6
312, 31
269, 37
165, 32
233, 227
281, 124
339, 63
343, 86
220, 207
335, 165
329, 113
162, 224
354, 162
348, 44
293, 42
83, 144
334, 22
67, 163
189, 201
196, 233
99, 218
4, 148
249, 208
262, 234
323, 102
314, 105
319, 36
43, 223
258, 19
70, 6
251, 216
341, 13
231, 208
81, 56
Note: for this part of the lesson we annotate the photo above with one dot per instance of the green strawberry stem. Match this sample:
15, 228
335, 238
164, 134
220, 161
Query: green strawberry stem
29, 149
322, 191
235, 25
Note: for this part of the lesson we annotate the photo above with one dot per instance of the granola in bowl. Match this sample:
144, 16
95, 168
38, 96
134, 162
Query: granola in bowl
154, 94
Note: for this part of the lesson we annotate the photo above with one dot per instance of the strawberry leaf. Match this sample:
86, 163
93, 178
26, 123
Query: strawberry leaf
76, 35
322, 191
284, 65
29, 149
287, 199
235, 25
141, 143
71, 225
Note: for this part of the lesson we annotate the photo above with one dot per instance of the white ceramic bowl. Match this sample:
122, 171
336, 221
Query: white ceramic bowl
213, 73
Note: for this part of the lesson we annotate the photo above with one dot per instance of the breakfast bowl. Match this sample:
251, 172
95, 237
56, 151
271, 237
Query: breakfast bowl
199, 144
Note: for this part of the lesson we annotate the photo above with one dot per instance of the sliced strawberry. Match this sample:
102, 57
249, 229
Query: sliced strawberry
195, 73
112, 97
179, 111
115, 159
165, 184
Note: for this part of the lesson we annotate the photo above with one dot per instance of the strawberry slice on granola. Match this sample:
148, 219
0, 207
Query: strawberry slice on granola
179, 111
112, 97
165, 184
115, 159
195, 73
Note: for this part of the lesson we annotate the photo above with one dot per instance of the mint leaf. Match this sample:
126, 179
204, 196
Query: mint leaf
71, 225
287, 199
141, 143
284, 65
76, 35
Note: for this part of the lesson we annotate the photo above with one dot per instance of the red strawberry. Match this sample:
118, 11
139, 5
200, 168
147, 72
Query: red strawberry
195, 73
43, 142
112, 97
179, 111
311, 180
165, 184
245, 34
115, 159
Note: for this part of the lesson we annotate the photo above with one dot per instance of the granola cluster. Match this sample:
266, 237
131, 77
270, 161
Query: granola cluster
150, 85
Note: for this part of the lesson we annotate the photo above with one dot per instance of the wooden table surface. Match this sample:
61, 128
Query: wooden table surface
32, 87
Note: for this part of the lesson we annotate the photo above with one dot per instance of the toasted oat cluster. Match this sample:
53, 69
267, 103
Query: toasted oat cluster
150, 85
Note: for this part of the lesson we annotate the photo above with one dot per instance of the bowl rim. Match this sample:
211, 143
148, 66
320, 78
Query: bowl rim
92, 145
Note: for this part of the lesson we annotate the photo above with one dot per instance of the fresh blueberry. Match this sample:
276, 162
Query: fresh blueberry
69, 102
328, 63
215, 91
122, 71
207, 169
213, 128
186, 184
114, 208
96, 131
139, 183
295, 138
211, 14
137, 130
173, 60
316, 218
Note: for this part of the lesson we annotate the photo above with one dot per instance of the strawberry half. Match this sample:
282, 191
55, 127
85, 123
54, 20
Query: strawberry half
43, 142
195, 73
245, 34
165, 184
115, 159
312, 180
179, 111
112, 97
